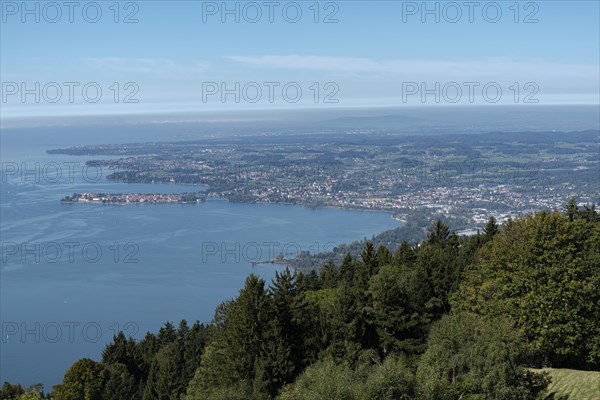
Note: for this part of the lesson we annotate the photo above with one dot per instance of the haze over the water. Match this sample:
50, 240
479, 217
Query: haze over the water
396, 120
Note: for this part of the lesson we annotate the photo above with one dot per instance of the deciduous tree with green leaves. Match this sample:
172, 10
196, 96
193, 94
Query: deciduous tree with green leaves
470, 357
544, 272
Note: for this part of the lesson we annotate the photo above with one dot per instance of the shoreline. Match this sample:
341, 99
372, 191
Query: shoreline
224, 198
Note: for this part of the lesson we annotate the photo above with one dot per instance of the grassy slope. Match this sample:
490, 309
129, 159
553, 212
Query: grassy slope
578, 385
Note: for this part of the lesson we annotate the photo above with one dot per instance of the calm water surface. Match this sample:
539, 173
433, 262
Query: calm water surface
72, 275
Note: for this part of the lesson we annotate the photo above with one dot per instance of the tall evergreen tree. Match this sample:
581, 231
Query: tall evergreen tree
167, 334
126, 352
383, 256
120, 385
330, 275
165, 380
234, 355
571, 209
369, 258
438, 233
282, 347
491, 229
405, 255
347, 270
395, 318
193, 347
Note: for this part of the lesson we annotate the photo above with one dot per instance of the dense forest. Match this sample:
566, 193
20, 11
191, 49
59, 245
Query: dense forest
449, 318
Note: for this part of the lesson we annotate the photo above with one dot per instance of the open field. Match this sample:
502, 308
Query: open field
577, 385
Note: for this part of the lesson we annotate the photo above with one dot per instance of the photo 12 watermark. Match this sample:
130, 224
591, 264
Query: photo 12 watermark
269, 172
253, 12
69, 92
50, 172
71, 252
470, 92
260, 253
61, 172
470, 172
54, 332
452, 12
270, 92
53, 12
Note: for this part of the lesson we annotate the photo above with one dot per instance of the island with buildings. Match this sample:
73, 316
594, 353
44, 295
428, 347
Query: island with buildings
134, 198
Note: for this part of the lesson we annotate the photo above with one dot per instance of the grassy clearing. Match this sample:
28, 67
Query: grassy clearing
576, 385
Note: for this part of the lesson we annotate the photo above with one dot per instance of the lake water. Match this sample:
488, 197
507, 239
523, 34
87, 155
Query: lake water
74, 274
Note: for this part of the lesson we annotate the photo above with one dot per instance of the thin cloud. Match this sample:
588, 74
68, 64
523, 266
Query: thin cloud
491, 67
151, 66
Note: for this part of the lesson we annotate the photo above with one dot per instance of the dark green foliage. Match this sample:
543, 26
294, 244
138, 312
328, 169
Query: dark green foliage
383, 256
405, 255
262, 340
391, 379
125, 352
158, 367
571, 209
165, 381
309, 281
176, 362
525, 293
469, 357
236, 353
120, 385
369, 258
438, 234
347, 270
394, 311
491, 229
544, 272
166, 335
282, 346
85, 380
330, 275
194, 342
10, 391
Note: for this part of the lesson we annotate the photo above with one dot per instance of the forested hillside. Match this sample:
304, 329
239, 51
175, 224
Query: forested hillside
450, 318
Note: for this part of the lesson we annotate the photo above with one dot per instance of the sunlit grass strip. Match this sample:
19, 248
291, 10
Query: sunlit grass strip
577, 385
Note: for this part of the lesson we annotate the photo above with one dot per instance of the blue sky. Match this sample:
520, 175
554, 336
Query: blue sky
180, 55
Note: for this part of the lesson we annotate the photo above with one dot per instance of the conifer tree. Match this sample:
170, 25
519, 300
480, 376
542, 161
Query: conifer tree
490, 230
165, 380
121, 385
329, 275
438, 234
